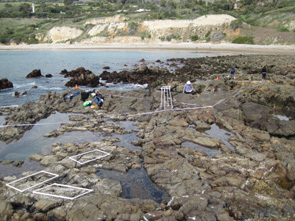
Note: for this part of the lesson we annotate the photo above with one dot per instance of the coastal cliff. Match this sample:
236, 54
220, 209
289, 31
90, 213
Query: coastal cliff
119, 29
207, 28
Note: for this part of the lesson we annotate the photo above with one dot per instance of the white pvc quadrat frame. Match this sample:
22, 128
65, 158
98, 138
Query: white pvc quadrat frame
39, 191
34, 174
105, 154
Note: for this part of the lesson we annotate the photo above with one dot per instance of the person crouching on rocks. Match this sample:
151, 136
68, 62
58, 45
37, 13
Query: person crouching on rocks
98, 99
188, 88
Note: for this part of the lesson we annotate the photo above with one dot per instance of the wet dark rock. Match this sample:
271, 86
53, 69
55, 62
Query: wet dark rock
88, 80
48, 75
4, 162
81, 76
75, 73
141, 75
276, 127
29, 113
34, 74
255, 113
6, 209
18, 163
63, 72
16, 94
5, 83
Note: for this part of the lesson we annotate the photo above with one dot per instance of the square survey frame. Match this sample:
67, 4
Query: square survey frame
64, 189
11, 184
87, 160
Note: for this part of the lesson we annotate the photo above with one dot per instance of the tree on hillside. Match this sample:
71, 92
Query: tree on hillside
226, 5
248, 2
25, 10
68, 2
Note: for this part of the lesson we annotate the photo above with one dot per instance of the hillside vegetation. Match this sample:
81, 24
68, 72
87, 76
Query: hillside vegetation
249, 21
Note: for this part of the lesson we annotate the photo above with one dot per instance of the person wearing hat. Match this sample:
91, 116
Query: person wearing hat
188, 88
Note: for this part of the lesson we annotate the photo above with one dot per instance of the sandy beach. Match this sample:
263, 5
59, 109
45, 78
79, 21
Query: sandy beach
235, 48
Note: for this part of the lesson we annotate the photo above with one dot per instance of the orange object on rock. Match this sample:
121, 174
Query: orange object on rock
217, 78
76, 87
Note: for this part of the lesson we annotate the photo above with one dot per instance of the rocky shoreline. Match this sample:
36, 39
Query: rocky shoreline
251, 178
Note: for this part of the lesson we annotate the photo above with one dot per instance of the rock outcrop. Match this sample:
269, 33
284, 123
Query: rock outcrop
81, 76
141, 75
5, 83
35, 74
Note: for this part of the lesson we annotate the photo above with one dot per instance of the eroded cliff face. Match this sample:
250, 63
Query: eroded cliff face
118, 29
62, 34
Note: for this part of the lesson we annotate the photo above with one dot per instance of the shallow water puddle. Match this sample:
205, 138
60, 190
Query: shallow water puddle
2, 119
28, 146
135, 184
210, 152
126, 139
127, 125
221, 134
281, 117
33, 141
11, 170
192, 127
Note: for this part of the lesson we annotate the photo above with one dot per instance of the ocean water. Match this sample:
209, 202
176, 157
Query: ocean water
16, 65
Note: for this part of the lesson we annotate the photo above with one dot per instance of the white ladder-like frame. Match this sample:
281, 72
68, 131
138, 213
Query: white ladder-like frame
166, 97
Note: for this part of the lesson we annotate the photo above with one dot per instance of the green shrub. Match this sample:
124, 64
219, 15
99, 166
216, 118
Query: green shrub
207, 34
170, 37
236, 24
145, 34
29, 39
194, 37
243, 40
132, 28
283, 29
176, 37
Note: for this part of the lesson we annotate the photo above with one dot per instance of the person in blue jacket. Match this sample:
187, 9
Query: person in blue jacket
232, 72
98, 99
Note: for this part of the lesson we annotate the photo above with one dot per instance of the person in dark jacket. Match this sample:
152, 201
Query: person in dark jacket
263, 72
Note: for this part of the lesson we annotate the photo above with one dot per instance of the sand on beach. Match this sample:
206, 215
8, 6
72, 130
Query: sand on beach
237, 48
